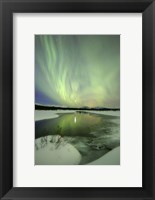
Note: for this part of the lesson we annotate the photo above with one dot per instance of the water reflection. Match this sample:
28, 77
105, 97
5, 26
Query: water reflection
89, 137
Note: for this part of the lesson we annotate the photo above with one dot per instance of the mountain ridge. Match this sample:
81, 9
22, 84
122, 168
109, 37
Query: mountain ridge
43, 107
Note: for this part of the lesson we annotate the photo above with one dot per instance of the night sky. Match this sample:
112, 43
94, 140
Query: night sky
77, 70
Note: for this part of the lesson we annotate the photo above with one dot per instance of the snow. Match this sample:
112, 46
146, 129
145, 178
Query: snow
110, 158
111, 113
49, 114
53, 150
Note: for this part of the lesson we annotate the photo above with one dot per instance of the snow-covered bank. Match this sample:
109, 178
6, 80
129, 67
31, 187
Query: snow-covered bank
111, 158
53, 150
49, 114
112, 113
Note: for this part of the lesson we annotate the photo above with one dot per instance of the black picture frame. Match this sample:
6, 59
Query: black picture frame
7, 8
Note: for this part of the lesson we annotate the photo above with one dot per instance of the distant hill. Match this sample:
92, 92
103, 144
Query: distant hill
42, 107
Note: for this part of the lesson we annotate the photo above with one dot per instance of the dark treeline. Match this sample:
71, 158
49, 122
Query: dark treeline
41, 107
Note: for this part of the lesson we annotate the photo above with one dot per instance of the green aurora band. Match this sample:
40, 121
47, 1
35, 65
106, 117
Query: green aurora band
77, 70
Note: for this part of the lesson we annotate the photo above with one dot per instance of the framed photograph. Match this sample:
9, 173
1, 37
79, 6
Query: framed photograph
77, 117
77, 99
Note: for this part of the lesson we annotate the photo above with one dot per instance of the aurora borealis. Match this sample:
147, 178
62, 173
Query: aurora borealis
77, 70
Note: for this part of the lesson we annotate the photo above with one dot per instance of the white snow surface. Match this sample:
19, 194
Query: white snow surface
55, 151
49, 114
112, 113
110, 158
